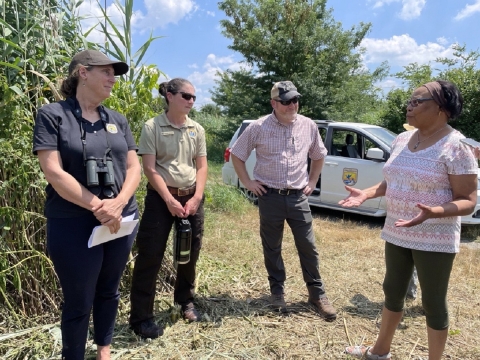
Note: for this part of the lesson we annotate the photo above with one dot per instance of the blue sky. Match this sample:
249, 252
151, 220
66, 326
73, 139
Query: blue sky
403, 31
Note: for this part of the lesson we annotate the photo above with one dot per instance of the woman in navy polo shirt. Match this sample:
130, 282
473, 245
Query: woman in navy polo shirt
88, 156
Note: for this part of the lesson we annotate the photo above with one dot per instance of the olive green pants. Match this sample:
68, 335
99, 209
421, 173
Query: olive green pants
433, 269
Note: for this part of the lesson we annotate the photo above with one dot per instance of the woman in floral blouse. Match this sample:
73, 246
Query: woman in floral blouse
430, 181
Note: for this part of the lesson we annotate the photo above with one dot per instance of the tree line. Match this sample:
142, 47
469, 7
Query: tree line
300, 41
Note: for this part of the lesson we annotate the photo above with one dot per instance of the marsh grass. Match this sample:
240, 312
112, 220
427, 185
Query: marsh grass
232, 290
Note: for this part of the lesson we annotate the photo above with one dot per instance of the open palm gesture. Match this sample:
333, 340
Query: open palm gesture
356, 197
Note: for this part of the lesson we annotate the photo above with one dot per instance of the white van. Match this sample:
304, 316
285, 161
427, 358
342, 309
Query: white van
356, 155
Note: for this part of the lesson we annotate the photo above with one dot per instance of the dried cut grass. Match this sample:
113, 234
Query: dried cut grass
233, 293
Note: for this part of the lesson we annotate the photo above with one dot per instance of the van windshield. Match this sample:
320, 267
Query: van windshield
384, 135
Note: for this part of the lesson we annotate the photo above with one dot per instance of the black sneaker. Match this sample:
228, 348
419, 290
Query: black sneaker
147, 329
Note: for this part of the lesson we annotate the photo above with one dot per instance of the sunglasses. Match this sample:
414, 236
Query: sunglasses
187, 96
416, 102
287, 102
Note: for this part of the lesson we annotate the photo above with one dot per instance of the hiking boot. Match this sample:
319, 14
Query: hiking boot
147, 329
324, 308
190, 313
277, 302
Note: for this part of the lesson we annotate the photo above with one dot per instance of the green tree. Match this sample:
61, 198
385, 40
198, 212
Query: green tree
211, 109
295, 40
462, 70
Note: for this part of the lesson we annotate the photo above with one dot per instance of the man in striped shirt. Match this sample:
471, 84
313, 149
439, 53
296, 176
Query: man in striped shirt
283, 141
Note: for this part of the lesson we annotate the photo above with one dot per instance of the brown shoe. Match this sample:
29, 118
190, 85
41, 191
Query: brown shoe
277, 302
324, 308
191, 314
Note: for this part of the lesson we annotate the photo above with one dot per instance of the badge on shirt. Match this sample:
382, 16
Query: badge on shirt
350, 176
112, 128
192, 133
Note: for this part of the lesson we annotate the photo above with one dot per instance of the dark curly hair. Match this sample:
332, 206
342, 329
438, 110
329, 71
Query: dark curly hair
173, 86
453, 98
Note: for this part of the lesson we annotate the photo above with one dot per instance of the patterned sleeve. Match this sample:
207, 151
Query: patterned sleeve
246, 142
146, 143
459, 158
317, 150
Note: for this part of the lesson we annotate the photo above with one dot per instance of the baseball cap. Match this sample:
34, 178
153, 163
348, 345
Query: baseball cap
96, 58
284, 90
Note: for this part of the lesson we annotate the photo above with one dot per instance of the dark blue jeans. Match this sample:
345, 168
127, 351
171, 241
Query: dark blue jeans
89, 278
274, 210
151, 242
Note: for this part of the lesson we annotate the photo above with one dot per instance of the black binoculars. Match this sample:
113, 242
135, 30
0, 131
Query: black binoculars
104, 167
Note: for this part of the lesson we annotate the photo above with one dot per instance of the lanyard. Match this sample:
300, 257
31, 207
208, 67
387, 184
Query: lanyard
83, 131
77, 112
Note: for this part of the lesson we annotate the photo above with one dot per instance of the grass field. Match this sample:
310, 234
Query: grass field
233, 292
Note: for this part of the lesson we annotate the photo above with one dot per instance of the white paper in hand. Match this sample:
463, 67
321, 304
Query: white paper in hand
101, 233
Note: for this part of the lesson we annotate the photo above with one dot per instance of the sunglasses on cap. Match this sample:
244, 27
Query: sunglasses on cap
187, 96
287, 102
415, 102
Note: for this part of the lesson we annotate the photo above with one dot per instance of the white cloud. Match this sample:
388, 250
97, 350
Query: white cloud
411, 9
193, 66
214, 64
162, 12
213, 59
442, 40
92, 14
403, 50
388, 84
380, 3
468, 10
204, 79
211, 13
159, 13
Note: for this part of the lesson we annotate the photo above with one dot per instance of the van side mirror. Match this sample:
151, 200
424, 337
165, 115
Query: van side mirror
375, 154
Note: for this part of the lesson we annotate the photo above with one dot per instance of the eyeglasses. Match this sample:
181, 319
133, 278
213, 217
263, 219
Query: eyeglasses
187, 96
287, 102
415, 101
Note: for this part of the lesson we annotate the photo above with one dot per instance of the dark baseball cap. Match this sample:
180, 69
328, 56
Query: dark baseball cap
96, 58
284, 90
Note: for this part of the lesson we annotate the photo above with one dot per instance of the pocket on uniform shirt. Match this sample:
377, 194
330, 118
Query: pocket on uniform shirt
170, 146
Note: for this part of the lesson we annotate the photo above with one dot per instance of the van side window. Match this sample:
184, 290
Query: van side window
323, 133
242, 128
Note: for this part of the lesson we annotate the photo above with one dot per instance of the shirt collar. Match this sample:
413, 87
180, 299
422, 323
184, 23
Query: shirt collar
163, 121
275, 120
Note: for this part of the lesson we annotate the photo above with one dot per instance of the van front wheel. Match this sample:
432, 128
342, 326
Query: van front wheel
250, 196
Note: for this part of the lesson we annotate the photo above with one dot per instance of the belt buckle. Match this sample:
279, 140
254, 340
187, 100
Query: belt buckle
186, 190
284, 192
182, 191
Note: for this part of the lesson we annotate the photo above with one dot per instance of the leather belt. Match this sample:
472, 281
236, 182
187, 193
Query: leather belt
284, 192
184, 191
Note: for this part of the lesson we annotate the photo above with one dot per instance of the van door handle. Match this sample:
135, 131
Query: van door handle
331, 163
